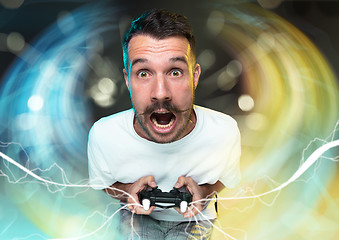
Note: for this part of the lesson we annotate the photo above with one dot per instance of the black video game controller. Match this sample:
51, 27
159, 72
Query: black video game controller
174, 198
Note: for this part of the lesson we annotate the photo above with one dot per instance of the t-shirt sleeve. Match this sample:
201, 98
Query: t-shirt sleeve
99, 175
230, 176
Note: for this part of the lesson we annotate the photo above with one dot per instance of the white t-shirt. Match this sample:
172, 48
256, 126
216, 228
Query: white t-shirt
210, 152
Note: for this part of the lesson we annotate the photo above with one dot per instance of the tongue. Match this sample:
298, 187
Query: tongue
163, 119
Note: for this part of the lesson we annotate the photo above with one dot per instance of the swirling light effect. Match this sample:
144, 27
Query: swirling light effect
296, 103
45, 119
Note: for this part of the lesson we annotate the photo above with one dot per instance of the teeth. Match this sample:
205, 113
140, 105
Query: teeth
162, 126
162, 112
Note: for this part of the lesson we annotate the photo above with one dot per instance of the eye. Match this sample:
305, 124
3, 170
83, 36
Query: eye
176, 73
143, 74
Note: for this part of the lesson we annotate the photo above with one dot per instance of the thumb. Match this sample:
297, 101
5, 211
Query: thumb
180, 182
151, 181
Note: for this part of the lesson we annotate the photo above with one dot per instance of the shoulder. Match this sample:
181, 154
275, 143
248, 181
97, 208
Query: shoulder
217, 128
215, 119
112, 122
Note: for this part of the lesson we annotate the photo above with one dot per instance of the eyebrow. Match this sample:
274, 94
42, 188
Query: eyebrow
179, 59
174, 59
138, 60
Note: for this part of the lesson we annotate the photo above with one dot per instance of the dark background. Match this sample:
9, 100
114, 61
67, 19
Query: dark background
319, 20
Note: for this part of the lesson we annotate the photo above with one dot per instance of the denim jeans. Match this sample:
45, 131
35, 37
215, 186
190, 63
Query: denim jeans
143, 227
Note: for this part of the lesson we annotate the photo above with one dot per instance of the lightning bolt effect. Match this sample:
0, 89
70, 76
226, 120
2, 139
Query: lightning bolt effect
289, 163
302, 169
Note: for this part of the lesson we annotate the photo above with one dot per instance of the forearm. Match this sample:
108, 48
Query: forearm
119, 191
209, 189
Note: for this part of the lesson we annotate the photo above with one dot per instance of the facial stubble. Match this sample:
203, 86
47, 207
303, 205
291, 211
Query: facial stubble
143, 120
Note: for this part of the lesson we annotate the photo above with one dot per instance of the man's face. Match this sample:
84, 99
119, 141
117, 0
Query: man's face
162, 78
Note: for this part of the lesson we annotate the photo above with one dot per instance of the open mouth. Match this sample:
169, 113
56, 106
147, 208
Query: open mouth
163, 120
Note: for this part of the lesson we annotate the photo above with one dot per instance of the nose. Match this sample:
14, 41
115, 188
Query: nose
160, 90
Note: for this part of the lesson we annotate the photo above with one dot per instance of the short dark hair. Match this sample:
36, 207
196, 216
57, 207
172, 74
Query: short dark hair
160, 24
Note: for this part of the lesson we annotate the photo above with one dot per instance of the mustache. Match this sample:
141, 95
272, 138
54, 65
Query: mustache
163, 105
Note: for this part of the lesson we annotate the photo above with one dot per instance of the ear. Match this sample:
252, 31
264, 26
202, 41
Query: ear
126, 78
196, 75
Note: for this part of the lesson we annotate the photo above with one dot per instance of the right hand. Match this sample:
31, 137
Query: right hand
134, 189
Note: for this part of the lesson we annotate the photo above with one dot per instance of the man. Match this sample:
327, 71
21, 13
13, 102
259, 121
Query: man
165, 140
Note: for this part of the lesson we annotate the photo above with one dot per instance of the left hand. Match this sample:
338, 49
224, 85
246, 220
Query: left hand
197, 194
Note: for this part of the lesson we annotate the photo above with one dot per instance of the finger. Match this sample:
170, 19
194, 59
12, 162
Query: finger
133, 205
133, 201
149, 211
144, 181
189, 213
178, 210
180, 182
151, 181
141, 210
192, 211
